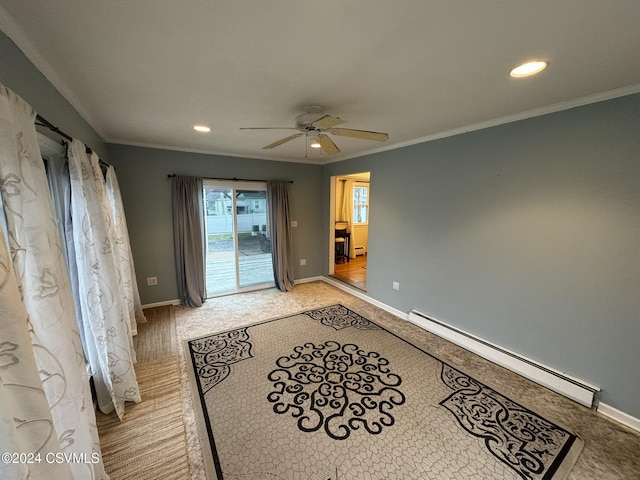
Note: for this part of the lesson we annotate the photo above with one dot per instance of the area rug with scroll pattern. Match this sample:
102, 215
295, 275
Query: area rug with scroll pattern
327, 394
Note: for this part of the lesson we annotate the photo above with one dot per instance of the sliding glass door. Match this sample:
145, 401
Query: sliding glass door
237, 237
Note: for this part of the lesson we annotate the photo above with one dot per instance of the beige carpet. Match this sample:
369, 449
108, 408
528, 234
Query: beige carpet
329, 394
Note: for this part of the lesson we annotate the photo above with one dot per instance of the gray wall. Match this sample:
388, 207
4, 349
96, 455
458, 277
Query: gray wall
146, 194
526, 234
20, 75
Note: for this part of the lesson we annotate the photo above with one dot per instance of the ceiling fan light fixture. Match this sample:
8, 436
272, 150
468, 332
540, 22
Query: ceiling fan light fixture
315, 142
201, 128
529, 68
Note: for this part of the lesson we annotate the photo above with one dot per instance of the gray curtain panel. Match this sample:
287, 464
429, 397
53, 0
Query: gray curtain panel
187, 202
280, 233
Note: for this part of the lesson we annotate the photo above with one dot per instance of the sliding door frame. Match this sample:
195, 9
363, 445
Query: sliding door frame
234, 186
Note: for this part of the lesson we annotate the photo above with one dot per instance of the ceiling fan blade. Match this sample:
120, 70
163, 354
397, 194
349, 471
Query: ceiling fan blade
327, 145
284, 140
267, 128
327, 122
363, 134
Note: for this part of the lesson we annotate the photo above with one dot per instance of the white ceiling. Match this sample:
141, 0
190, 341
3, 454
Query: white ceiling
142, 72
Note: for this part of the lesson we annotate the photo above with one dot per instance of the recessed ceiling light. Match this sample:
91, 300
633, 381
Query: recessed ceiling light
529, 68
201, 128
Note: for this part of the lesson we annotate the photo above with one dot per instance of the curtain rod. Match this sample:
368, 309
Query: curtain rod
171, 175
43, 122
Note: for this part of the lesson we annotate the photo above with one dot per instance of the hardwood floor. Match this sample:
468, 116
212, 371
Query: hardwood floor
353, 272
150, 441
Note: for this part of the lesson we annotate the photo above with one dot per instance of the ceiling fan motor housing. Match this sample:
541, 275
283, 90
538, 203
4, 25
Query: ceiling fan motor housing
304, 121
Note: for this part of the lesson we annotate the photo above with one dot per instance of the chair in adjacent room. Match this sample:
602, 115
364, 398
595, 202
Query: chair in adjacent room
343, 237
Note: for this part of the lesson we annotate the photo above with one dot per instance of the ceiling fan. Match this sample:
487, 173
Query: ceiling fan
314, 125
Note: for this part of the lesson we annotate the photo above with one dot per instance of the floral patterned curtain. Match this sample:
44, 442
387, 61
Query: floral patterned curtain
39, 272
122, 250
102, 286
26, 426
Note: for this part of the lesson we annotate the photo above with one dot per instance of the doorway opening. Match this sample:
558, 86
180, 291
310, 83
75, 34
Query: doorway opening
349, 228
238, 247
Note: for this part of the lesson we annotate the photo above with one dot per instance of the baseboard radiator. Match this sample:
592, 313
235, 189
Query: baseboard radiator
557, 381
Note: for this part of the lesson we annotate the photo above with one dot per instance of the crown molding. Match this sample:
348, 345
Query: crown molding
536, 112
157, 146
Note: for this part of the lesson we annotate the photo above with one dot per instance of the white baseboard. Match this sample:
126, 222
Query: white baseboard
559, 382
619, 416
161, 304
576, 389
308, 280
360, 294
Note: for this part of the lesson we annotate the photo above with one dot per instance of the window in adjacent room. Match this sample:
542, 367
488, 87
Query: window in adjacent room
360, 203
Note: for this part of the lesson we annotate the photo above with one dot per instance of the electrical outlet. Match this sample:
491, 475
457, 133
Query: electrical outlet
303, 262
294, 223
152, 281
396, 286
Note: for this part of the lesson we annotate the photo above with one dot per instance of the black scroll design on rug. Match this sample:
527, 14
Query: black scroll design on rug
213, 355
339, 317
526, 442
335, 387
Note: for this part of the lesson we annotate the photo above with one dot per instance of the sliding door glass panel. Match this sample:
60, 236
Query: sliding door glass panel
221, 245
254, 248
238, 244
